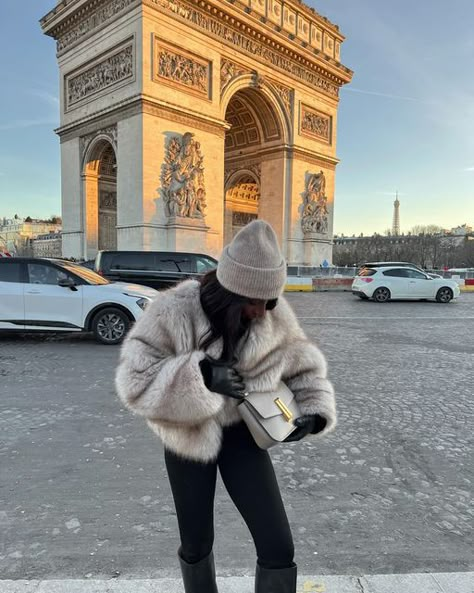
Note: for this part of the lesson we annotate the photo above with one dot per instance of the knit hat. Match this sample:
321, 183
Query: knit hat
252, 265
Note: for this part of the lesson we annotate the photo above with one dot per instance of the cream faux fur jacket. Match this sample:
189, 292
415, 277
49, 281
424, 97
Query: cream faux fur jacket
159, 377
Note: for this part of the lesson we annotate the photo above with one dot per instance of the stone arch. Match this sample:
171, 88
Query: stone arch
262, 90
259, 129
100, 195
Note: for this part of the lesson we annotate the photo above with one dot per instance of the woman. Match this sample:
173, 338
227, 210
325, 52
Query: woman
187, 364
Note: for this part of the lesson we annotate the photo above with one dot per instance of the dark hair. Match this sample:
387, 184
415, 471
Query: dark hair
224, 311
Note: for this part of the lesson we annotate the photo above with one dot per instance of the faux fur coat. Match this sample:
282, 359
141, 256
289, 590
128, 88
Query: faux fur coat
159, 378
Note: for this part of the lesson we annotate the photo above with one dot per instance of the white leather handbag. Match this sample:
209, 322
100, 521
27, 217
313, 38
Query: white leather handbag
269, 415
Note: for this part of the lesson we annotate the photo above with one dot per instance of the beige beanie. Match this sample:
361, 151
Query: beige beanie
252, 265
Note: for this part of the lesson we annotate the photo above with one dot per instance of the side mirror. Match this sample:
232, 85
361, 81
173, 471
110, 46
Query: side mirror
66, 283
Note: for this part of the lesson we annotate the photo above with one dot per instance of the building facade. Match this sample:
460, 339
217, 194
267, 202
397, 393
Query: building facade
182, 120
16, 234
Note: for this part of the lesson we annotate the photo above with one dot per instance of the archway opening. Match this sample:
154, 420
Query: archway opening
254, 129
101, 198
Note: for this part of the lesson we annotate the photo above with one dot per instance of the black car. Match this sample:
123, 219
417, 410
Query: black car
157, 269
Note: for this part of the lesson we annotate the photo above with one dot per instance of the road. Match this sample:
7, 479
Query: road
84, 493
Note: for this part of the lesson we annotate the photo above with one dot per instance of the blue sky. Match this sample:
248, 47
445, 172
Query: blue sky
406, 122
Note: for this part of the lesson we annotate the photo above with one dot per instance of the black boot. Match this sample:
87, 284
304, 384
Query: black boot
199, 577
275, 580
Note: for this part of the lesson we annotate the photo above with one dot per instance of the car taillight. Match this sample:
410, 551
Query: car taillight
367, 280
100, 272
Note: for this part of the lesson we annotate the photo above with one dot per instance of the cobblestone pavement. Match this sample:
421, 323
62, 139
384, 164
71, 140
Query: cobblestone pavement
83, 489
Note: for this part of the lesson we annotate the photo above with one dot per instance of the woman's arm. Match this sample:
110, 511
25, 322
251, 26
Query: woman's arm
306, 377
305, 370
156, 382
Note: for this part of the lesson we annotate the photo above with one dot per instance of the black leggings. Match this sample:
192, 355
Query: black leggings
248, 475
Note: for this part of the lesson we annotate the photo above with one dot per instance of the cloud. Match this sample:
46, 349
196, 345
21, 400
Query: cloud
28, 123
49, 98
379, 94
469, 169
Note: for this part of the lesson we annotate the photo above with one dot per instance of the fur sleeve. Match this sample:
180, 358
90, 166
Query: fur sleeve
307, 380
306, 371
158, 375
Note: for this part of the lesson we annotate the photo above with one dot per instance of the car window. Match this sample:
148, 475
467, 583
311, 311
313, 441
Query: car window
44, 274
10, 272
366, 272
85, 274
416, 274
176, 263
204, 264
133, 261
397, 273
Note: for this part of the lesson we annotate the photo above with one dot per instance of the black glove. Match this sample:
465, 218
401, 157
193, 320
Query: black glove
222, 378
306, 425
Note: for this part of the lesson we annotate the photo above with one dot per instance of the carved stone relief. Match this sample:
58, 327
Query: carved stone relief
183, 69
92, 21
182, 178
243, 218
244, 42
108, 200
244, 192
285, 95
315, 209
315, 124
110, 133
103, 75
229, 71
256, 169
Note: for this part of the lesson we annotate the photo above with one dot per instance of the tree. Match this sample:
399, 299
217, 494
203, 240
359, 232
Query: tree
28, 219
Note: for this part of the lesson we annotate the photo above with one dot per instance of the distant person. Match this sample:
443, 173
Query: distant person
199, 348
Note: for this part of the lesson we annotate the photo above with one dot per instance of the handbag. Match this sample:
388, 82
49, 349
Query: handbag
269, 415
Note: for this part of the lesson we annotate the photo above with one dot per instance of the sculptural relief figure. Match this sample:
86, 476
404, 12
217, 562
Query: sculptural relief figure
315, 210
183, 178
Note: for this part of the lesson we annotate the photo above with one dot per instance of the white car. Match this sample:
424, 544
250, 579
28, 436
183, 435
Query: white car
385, 283
39, 294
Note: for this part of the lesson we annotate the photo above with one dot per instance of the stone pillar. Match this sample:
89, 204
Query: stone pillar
272, 203
130, 229
91, 202
72, 206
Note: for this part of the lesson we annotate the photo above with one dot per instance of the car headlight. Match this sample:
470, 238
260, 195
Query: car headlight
142, 303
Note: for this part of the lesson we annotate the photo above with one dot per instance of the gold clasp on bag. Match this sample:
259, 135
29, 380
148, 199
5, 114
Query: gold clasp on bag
284, 410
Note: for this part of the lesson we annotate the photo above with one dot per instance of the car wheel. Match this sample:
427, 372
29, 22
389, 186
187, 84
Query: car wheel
444, 295
381, 295
110, 325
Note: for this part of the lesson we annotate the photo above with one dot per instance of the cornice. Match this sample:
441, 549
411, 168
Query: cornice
299, 6
229, 26
74, 20
295, 153
141, 104
76, 13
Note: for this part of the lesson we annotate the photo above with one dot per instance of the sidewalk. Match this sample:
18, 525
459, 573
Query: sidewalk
461, 582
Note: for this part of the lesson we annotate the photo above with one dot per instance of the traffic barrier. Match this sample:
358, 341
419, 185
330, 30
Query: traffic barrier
322, 284
297, 284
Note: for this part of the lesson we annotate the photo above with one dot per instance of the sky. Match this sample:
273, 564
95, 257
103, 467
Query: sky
406, 122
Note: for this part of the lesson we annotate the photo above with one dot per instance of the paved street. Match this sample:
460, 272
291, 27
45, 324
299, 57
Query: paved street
83, 490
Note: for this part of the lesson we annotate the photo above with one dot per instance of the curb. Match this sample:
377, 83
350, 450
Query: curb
396, 583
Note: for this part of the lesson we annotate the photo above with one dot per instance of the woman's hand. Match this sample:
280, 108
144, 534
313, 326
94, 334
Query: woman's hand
306, 425
222, 378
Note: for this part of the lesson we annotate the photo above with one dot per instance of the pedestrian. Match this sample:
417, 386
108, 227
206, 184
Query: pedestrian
188, 362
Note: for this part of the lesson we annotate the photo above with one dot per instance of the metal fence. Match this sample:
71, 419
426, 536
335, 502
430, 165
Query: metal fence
350, 272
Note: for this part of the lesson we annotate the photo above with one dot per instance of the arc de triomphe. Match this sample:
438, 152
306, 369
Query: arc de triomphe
182, 120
